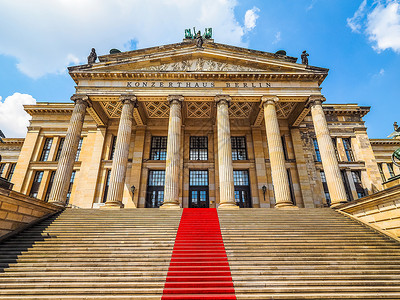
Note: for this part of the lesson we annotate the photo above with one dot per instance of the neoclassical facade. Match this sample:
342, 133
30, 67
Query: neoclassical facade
187, 126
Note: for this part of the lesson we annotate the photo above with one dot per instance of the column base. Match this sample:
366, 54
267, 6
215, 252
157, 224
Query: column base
58, 203
228, 205
334, 205
112, 205
170, 205
286, 205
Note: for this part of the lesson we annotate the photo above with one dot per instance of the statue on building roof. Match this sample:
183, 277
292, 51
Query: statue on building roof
195, 36
199, 40
396, 133
92, 57
304, 58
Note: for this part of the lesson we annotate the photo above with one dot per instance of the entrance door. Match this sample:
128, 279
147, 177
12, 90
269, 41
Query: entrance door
155, 189
198, 189
242, 188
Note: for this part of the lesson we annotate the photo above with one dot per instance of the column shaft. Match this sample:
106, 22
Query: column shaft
276, 156
65, 166
225, 167
329, 161
171, 189
120, 159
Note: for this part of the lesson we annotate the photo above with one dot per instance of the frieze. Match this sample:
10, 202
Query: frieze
196, 84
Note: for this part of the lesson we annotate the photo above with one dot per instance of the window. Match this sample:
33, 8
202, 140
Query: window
381, 172
113, 143
198, 178
49, 186
361, 192
60, 145
198, 189
36, 184
239, 149
242, 188
10, 172
348, 150
325, 186
292, 197
356, 176
390, 168
155, 188
334, 142
285, 153
78, 151
346, 185
240, 177
158, 148
46, 149
107, 184
316, 148
198, 148
71, 182
2, 166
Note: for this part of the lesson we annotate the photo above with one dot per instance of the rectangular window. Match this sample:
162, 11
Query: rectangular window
49, 186
158, 148
78, 152
36, 184
155, 188
381, 172
285, 153
46, 149
292, 197
198, 178
325, 186
240, 177
198, 148
10, 172
156, 178
390, 168
361, 192
316, 148
71, 183
347, 149
346, 185
60, 145
107, 184
334, 142
239, 149
2, 166
113, 143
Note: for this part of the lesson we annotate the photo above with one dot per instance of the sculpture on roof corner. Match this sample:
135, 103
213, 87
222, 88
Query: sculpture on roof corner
304, 58
92, 57
198, 36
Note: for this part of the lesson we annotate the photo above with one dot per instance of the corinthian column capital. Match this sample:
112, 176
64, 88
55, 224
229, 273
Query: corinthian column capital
178, 99
223, 99
80, 99
315, 100
269, 100
128, 99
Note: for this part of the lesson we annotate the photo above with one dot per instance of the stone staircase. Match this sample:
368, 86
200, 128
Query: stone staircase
273, 254
308, 254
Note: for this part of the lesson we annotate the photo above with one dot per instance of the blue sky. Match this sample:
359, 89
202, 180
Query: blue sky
358, 40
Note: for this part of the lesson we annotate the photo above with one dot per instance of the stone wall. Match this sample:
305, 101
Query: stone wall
17, 210
380, 210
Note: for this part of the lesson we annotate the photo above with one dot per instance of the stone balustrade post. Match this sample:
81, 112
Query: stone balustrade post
120, 159
276, 155
171, 188
66, 162
225, 167
330, 164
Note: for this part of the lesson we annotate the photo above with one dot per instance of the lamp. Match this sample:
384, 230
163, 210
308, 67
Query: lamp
133, 188
264, 189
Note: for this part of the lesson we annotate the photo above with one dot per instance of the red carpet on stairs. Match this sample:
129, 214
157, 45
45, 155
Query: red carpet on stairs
199, 267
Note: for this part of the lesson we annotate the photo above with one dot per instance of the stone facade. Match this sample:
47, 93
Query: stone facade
213, 125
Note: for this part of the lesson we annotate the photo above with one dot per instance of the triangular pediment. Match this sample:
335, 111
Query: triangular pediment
186, 57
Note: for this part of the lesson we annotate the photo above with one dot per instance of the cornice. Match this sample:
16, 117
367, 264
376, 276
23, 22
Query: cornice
345, 109
384, 141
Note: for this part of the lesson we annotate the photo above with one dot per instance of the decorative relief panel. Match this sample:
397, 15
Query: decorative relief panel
157, 109
112, 109
283, 109
240, 109
199, 65
198, 109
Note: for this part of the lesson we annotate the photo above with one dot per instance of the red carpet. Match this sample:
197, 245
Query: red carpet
199, 267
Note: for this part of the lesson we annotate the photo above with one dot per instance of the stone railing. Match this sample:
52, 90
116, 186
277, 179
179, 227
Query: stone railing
380, 211
18, 211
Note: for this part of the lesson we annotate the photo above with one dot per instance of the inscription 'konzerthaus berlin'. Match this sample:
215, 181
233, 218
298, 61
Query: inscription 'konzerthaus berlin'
188, 126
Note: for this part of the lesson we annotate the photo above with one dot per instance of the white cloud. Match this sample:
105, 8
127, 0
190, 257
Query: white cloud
250, 18
382, 72
277, 38
47, 35
355, 22
311, 6
13, 118
380, 22
383, 27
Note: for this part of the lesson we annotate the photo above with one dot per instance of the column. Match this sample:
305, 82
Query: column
225, 167
276, 156
328, 156
120, 159
65, 166
171, 188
